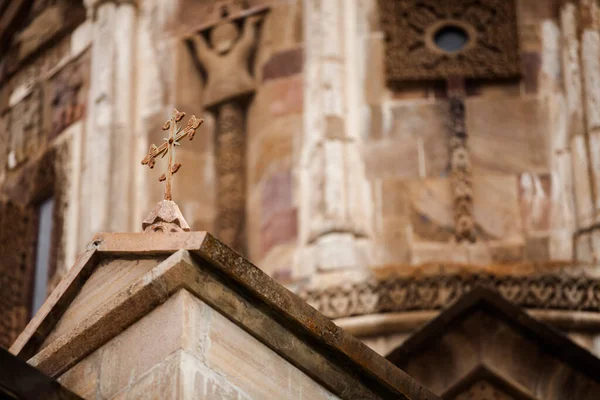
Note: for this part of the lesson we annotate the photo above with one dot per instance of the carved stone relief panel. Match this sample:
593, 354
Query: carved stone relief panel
67, 93
225, 57
25, 128
432, 39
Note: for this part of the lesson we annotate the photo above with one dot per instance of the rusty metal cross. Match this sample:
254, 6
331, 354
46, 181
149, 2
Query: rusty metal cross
168, 147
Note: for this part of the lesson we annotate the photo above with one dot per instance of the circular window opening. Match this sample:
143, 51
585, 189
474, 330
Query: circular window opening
451, 38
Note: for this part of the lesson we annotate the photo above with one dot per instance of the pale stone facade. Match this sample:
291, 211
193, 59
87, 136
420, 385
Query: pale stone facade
343, 177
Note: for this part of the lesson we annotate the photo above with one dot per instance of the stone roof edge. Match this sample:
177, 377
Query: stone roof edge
298, 315
548, 337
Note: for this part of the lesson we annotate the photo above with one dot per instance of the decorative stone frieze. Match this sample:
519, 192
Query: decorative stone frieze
560, 289
413, 29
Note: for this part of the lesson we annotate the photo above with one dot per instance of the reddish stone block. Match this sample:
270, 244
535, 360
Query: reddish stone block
281, 228
287, 96
276, 195
284, 63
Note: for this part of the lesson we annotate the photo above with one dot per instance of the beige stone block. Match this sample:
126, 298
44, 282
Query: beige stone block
395, 197
590, 60
537, 248
583, 248
160, 382
142, 346
581, 182
279, 261
422, 126
274, 99
393, 241
431, 214
563, 212
479, 253
338, 251
112, 276
194, 177
551, 68
595, 243
282, 29
536, 201
508, 134
391, 159
83, 378
273, 148
561, 245
424, 252
594, 143
496, 207
252, 367
374, 84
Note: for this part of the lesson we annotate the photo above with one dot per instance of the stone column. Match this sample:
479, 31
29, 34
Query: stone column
231, 171
590, 67
107, 162
334, 207
576, 126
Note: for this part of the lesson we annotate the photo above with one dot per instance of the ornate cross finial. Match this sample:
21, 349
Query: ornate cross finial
166, 216
168, 147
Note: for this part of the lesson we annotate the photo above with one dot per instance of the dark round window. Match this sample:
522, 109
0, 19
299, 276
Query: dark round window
451, 38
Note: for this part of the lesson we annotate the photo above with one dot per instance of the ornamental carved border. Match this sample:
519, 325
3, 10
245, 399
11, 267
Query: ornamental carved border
555, 291
411, 54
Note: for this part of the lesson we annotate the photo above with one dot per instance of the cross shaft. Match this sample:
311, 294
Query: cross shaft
176, 133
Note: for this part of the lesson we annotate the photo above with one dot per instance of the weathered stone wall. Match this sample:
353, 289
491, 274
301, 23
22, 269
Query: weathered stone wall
43, 102
522, 198
348, 164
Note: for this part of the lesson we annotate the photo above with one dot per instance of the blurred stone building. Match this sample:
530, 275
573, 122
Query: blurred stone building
378, 157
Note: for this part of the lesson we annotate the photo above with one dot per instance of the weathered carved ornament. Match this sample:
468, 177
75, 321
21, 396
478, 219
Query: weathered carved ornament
225, 60
559, 290
432, 39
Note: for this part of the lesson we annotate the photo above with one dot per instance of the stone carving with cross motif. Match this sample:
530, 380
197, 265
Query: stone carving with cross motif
166, 215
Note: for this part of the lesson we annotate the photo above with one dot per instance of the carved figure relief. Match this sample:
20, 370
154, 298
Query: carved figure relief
228, 86
25, 128
431, 39
68, 93
226, 60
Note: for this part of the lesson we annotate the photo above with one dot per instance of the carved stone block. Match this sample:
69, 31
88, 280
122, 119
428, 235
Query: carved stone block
484, 39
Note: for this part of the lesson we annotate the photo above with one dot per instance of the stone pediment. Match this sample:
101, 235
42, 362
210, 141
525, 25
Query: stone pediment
483, 337
123, 279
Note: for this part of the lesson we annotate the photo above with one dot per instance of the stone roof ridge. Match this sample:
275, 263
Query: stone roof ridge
67, 328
